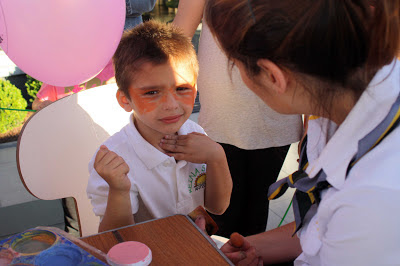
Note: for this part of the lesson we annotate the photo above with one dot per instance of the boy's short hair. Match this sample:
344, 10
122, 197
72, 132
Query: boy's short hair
151, 42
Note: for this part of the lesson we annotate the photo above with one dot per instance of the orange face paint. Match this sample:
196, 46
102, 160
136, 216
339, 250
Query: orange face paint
162, 97
143, 104
158, 86
146, 103
188, 97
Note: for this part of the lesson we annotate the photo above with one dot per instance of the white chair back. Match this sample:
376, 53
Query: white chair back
57, 143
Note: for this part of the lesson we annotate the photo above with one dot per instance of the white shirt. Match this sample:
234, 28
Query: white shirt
230, 112
358, 218
160, 186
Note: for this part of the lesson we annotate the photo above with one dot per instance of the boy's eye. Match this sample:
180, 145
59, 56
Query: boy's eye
182, 88
150, 92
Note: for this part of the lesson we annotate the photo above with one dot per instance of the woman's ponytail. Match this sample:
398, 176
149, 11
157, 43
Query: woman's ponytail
385, 32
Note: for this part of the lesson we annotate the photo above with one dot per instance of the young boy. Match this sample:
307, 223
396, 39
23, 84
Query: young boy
140, 173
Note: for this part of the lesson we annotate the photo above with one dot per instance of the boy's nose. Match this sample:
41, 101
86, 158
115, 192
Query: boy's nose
170, 102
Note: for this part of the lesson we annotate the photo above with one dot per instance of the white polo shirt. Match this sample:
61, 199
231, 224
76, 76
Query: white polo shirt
358, 219
160, 186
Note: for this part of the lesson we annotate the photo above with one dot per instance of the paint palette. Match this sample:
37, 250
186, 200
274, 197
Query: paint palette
44, 246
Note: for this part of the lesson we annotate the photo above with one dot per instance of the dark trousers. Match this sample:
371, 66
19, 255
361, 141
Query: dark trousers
70, 217
252, 171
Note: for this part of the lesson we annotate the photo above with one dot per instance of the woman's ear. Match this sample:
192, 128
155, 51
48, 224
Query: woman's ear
275, 75
123, 101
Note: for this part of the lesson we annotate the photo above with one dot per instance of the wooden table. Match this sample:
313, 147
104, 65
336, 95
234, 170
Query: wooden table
174, 240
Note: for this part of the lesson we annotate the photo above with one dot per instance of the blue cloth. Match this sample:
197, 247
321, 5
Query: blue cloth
134, 11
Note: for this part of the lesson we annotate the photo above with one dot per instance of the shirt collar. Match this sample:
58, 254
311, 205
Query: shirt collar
148, 154
372, 107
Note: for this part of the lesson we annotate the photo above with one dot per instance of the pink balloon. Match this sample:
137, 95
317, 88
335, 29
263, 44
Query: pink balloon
61, 42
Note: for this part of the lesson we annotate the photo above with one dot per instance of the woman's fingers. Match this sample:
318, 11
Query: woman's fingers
236, 257
236, 240
251, 257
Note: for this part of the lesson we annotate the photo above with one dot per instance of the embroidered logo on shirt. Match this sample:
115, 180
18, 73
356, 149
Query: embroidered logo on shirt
200, 182
199, 178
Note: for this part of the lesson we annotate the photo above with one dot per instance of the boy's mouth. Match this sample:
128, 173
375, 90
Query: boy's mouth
171, 119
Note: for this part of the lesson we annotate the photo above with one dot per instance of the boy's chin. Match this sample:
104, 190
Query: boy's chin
172, 130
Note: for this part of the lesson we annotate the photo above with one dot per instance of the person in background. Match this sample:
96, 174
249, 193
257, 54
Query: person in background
336, 61
134, 11
255, 137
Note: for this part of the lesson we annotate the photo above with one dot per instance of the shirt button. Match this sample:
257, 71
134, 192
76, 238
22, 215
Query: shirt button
166, 164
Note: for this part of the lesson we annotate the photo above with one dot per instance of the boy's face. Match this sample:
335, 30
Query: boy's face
162, 97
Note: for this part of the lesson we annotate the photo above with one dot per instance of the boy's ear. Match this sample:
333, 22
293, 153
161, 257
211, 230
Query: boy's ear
274, 74
123, 101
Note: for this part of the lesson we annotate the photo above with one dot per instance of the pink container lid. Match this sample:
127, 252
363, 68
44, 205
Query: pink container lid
129, 253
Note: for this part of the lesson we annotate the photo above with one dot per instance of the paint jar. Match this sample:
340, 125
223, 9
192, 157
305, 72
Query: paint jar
129, 253
33, 242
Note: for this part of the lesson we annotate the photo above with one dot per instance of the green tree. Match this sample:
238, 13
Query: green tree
32, 87
11, 97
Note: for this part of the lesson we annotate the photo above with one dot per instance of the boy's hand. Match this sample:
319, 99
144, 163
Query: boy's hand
240, 251
113, 169
194, 147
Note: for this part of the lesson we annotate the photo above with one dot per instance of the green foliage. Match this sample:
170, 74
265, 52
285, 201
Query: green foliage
10, 97
172, 3
32, 86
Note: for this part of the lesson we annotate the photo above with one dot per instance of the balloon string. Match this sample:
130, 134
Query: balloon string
21, 110
284, 216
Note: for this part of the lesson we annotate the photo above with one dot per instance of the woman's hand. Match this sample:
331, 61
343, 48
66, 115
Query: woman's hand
240, 251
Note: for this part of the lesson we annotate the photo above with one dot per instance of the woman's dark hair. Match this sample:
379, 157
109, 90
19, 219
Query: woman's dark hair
337, 42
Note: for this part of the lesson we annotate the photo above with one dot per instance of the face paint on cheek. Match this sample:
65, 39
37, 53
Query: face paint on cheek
144, 105
187, 98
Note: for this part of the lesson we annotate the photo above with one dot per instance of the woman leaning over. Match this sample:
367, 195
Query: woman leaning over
336, 61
